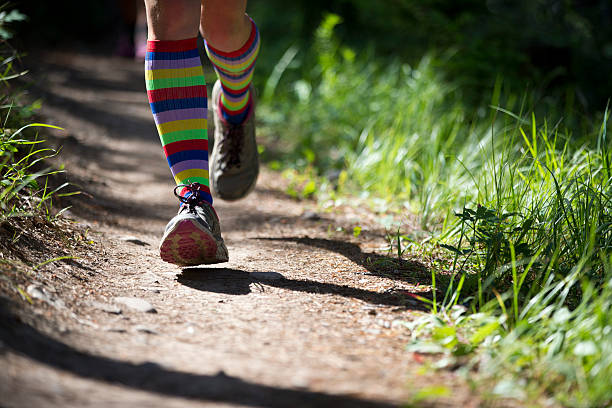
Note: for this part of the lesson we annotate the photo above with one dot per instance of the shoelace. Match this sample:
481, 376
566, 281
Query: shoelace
231, 145
194, 198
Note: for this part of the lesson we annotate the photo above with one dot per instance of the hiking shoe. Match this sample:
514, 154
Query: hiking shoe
193, 236
234, 159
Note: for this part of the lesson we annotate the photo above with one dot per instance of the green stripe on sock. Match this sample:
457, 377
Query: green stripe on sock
184, 135
175, 82
201, 180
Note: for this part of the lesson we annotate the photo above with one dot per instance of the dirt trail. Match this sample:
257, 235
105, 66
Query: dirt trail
297, 318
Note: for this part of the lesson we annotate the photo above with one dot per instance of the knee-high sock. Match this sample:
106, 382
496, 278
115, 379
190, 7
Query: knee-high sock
235, 70
177, 95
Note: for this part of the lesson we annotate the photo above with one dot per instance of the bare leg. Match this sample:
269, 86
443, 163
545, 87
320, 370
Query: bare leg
172, 19
224, 23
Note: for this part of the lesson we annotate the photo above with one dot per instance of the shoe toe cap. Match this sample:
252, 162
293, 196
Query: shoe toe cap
234, 186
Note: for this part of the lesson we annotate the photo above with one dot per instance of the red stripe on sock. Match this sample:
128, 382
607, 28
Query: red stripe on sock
172, 46
242, 50
183, 145
203, 188
182, 92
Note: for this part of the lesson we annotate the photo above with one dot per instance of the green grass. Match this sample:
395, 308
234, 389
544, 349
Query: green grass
24, 188
521, 202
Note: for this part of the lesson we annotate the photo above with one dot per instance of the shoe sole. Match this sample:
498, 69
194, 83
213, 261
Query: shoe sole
187, 245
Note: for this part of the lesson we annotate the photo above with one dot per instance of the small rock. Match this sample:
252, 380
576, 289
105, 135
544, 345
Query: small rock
116, 330
153, 289
134, 240
140, 305
267, 275
150, 366
300, 383
105, 307
38, 292
67, 214
41, 293
383, 323
144, 329
311, 216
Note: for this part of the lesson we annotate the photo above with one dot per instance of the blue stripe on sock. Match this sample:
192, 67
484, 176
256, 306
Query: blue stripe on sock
187, 155
173, 104
236, 119
178, 55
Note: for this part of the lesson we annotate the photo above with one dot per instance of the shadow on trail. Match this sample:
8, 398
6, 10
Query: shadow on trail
237, 282
409, 271
26, 340
105, 114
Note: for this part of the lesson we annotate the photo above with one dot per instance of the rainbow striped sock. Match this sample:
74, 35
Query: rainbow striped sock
177, 95
235, 70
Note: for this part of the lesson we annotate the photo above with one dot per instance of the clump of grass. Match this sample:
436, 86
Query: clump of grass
546, 349
533, 264
24, 188
21, 194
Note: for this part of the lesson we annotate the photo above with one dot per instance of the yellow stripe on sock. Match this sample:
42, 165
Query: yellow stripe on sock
178, 125
186, 174
237, 85
152, 74
232, 68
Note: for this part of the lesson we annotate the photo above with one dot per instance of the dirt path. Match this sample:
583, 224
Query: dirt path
299, 317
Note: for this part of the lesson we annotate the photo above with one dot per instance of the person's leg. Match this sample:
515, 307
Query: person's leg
177, 89
177, 95
224, 23
232, 45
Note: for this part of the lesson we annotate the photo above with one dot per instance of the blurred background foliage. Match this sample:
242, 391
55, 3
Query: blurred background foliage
558, 48
546, 45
